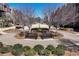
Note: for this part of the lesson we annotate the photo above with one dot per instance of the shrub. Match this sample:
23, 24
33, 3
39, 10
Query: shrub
60, 50
9, 47
21, 34
4, 50
17, 52
26, 48
62, 46
44, 52
50, 48
30, 52
17, 49
17, 46
1, 44
38, 48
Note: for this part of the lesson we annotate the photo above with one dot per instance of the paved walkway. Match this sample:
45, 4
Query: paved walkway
11, 40
72, 37
3, 29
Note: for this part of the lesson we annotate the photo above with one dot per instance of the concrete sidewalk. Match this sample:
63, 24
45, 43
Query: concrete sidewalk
7, 28
3, 29
72, 37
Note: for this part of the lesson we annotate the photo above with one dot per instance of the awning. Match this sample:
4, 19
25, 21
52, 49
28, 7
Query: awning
35, 25
39, 25
44, 26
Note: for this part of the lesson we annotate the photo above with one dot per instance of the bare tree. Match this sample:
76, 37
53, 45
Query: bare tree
47, 13
29, 12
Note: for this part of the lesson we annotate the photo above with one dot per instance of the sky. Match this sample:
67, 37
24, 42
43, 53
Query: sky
38, 6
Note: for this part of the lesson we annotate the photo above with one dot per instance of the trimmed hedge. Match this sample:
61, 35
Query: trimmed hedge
17, 50
16, 46
60, 50
10, 47
38, 48
30, 52
50, 48
26, 48
4, 50
44, 52
62, 46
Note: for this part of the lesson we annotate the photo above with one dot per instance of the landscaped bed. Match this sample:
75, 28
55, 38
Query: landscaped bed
0, 34
11, 31
22, 35
50, 50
